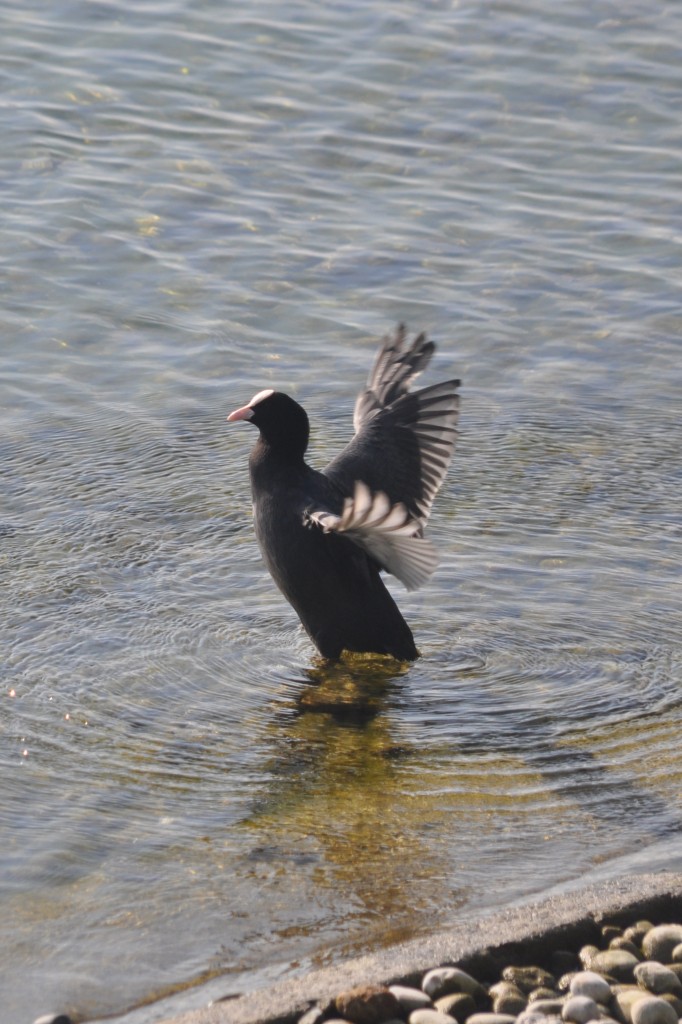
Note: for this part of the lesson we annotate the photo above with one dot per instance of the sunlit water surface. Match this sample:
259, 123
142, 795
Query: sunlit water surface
200, 200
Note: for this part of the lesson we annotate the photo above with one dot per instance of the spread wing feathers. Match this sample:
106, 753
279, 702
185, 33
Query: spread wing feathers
395, 367
385, 532
404, 450
435, 428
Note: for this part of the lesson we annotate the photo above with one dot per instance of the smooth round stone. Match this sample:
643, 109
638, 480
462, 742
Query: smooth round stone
651, 1010
410, 999
675, 1002
547, 1007
367, 1004
528, 978
429, 1017
676, 955
503, 988
610, 932
459, 1005
315, 1015
616, 962
627, 945
637, 931
659, 943
580, 1009
591, 984
587, 955
676, 968
531, 1016
441, 981
542, 993
624, 998
657, 978
491, 1018
507, 998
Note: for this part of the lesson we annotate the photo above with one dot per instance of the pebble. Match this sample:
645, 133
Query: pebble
636, 980
580, 1009
315, 1015
547, 1007
441, 981
542, 993
410, 999
627, 945
659, 943
624, 998
591, 984
507, 998
367, 1004
677, 968
675, 1001
531, 1016
586, 955
651, 1010
528, 978
459, 1005
429, 1017
637, 931
491, 1018
616, 962
657, 978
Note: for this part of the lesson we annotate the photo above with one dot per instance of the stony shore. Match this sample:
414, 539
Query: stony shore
609, 953
564, 942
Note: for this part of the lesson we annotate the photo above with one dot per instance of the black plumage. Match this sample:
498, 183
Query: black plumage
326, 536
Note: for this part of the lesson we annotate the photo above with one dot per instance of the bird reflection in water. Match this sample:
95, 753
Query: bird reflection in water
338, 809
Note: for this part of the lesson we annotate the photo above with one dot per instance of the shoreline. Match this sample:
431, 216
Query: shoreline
523, 933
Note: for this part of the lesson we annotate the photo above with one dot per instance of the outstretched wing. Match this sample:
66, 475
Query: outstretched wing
385, 532
404, 439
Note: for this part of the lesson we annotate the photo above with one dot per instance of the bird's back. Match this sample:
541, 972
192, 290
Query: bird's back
331, 583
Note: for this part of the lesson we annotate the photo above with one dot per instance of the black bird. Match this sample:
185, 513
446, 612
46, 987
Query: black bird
326, 536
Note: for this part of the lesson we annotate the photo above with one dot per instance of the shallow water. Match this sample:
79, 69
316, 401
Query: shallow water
199, 201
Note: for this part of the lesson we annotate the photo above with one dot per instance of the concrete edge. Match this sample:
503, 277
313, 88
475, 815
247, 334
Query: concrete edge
481, 944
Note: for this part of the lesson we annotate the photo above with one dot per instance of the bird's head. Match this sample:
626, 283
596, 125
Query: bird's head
282, 422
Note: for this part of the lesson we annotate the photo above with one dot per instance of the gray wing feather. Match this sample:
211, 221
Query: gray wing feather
393, 371
385, 532
404, 439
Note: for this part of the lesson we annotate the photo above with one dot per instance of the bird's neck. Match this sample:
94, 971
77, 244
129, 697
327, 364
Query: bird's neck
270, 461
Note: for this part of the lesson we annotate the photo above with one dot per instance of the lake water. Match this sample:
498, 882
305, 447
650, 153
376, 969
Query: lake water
200, 200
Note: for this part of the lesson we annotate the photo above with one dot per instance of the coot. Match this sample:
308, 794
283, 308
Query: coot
326, 536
